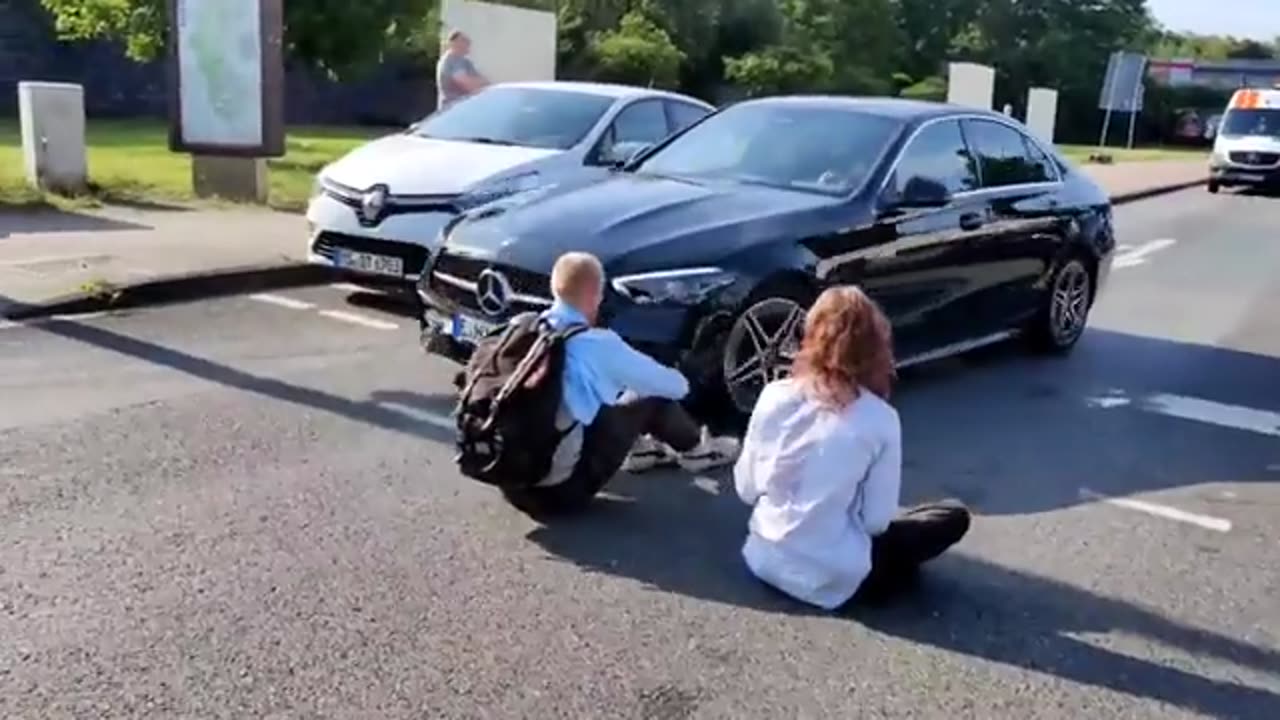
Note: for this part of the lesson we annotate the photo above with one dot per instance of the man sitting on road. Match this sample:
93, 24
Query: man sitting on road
622, 403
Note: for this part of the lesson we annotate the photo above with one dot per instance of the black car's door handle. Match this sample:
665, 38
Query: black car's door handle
971, 221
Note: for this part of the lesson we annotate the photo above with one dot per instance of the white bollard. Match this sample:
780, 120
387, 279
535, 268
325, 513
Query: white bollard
1042, 112
971, 85
51, 116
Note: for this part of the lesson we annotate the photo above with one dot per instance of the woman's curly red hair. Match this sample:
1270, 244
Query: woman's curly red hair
847, 346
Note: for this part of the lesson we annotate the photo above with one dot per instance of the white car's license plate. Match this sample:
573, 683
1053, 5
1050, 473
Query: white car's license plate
371, 263
1249, 177
470, 330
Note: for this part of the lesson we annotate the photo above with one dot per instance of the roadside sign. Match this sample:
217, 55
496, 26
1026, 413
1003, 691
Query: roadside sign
1123, 84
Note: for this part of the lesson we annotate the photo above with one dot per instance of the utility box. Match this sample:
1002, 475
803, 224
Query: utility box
52, 122
1042, 112
971, 85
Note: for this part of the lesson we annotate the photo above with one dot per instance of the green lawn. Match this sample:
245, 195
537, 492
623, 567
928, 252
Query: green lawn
130, 161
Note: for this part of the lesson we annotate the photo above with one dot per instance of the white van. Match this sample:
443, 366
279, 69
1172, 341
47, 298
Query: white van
1246, 151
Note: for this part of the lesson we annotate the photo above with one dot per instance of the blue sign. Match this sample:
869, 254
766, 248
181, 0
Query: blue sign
1124, 85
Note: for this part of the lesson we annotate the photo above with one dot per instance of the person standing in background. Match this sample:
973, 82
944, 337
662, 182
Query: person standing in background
456, 75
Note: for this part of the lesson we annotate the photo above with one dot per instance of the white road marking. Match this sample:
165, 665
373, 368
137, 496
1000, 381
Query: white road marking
358, 319
35, 322
6, 324
1164, 511
1239, 417
1132, 257
348, 287
1122, 248
1236, 417
282, 301
423, 416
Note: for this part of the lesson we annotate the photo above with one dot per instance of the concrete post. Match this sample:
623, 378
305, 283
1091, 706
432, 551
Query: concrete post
51, 117
238, 179
971, 85
1042, 112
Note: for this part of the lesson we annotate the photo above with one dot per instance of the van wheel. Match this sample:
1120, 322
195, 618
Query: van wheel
1065, 312
1214, 187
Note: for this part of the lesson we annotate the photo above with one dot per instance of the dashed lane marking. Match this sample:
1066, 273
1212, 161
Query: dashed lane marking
1163, 511
1134, 256
282, 301
348, 287
358, 319
1236, 417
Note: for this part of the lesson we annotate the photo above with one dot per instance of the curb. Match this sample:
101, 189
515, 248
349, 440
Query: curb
193, 286
1153, 192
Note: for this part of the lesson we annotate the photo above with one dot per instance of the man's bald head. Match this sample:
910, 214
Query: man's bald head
578, 280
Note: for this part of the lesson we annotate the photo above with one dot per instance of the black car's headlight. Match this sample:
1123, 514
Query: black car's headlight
689, 286
492, 191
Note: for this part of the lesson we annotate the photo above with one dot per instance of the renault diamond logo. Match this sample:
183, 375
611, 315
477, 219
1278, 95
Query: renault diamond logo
493, 292
372, 204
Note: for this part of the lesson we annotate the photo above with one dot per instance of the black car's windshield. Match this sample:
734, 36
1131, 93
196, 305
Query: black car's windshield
1264, 121
525, 116
818, 149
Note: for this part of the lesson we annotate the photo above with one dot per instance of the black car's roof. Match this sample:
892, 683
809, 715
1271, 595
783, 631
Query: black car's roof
900, 108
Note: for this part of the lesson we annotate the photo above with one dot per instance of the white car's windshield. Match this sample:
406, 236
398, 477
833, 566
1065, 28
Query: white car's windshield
1264, 122
525, 116
817, 149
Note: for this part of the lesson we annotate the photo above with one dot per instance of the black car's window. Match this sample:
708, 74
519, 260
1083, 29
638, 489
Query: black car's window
1043, 169
527, 116
1003, 155
938, 153
683, 115
830, 150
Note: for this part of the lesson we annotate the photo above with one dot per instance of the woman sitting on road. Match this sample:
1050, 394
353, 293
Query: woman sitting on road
821, 464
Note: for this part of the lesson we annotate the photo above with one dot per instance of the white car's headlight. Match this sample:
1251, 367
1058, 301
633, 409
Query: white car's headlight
488, 192
688, 286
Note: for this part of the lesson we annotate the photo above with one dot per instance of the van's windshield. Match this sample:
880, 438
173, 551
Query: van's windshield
1260, 121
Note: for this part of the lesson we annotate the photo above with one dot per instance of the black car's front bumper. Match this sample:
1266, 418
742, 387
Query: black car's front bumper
683, 337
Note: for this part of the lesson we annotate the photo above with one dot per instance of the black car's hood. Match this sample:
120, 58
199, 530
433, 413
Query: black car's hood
635, 222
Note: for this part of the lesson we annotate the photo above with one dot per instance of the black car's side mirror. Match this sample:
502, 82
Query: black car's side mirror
621, 154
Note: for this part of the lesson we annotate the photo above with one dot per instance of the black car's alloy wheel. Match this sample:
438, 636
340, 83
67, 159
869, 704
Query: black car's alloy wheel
760, 348
1067, 311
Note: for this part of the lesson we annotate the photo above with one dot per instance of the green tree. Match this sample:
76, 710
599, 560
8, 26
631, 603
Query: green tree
338, 36
638, 52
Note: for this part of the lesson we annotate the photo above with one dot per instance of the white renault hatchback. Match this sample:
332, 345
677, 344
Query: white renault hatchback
375, 212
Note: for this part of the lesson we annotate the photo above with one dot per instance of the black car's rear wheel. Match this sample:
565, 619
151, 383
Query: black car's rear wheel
761, 346
1065, 313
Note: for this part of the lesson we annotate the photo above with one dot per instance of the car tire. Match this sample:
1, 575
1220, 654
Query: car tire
1064, 314
1214, 187
773, 317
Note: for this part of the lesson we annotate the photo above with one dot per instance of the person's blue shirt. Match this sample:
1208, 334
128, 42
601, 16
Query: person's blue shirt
600, 366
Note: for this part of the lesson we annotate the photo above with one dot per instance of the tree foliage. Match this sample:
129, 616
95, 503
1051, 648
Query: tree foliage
759, 46
638, 52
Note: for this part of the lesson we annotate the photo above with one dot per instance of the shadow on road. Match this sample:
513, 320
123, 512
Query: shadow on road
24, 222
682, 537
1010, 434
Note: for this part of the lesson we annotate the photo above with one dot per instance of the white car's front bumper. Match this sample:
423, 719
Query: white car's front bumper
408, 236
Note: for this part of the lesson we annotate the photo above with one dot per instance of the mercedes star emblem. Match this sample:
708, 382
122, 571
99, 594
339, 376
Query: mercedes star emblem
372, 203
493, 292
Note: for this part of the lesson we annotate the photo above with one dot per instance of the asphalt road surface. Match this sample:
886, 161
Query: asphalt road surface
246, 508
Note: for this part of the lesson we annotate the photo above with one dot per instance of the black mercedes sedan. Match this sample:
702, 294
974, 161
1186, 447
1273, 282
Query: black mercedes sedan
965, 228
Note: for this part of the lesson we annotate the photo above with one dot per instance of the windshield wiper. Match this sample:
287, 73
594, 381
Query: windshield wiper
485, 140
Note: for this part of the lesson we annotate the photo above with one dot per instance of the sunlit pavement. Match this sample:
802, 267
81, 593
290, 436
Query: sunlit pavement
247, 508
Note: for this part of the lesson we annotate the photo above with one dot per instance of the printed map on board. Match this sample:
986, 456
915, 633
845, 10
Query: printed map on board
220, 56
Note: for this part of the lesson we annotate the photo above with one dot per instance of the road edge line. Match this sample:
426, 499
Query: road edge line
1125, 198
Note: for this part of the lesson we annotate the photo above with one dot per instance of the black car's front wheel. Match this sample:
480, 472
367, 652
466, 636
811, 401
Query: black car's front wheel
761, 345
1065, 313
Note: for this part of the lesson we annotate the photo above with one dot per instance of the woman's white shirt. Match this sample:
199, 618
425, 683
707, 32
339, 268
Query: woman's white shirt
823, 482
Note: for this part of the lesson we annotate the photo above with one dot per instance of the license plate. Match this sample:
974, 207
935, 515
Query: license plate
1247, 177
470, 330
371, 263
